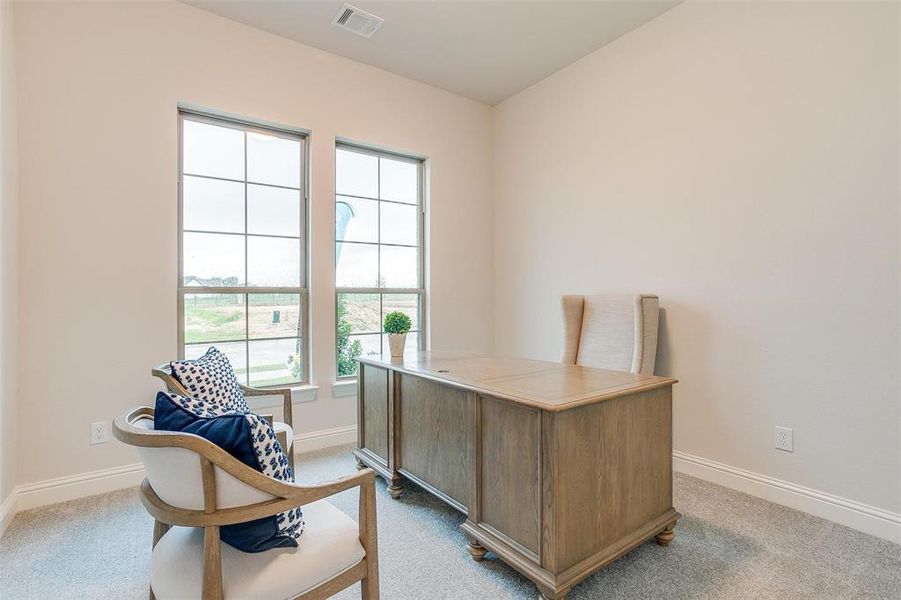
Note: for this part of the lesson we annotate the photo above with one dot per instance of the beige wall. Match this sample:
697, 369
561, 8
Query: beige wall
98, 88
742, 160
9, 202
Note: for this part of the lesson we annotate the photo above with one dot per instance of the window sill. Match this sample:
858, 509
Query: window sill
304, 393
299, 394
344, 388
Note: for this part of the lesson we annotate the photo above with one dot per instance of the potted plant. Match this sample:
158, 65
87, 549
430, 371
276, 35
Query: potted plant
397, 324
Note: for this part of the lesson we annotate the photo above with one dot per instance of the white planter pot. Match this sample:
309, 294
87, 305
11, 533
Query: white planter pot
396, 342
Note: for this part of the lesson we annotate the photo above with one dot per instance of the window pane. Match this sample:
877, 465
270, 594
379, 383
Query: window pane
357, 265
399, 224
212, 150
274, 315
356, 346
399, 180
405, 303
214, 317
213, 260
273, 211
356, 220
399, 267
273, 160
212, 204
273, 262
275, 362
236, 352
356, 174
410, 346
359, 313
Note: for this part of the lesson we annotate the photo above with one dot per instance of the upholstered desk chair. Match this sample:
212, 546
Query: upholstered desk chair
611, 332
284, 430
196, 486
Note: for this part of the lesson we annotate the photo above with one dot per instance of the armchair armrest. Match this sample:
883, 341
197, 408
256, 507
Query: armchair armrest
285, 393
320, 491
290, 495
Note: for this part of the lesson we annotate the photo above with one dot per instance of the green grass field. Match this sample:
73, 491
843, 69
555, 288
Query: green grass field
220, 318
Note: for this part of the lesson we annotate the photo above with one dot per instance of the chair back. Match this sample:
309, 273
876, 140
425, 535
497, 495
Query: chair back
164, 372
174, 386
175, 462
611, 332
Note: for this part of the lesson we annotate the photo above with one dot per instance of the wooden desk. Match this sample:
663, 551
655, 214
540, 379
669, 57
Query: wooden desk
559, 469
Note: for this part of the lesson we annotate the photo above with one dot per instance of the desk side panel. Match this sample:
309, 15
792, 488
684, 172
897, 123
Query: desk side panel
432, 436
511, 471
614, 471
374, 396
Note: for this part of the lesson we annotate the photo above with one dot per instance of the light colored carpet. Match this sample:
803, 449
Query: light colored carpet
728, 545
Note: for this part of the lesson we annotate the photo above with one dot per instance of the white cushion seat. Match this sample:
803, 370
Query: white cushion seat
280, 427
329, 546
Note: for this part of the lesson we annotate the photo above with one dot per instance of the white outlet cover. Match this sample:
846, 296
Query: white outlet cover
99, 432
784, 439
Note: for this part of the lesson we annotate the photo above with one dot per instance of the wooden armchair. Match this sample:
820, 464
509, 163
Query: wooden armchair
284, 430
192, 483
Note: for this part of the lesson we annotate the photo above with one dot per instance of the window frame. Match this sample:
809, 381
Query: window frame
420, 291
249, 126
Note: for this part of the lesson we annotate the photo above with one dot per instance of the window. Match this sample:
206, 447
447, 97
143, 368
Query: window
242, 248
379, 266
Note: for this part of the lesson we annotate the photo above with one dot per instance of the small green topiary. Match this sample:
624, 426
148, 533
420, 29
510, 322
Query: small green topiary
397, 322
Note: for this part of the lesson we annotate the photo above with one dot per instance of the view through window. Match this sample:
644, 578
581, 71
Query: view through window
242, 280
378, 251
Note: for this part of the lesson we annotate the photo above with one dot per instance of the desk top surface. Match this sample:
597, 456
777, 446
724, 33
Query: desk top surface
545, 385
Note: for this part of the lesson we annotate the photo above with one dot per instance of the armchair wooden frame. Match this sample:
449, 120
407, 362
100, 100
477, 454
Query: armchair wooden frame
286, 497
164, 372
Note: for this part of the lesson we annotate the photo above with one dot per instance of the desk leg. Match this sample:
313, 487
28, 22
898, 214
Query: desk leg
476, 551
549, 594
394, 479
396, 487
666, 536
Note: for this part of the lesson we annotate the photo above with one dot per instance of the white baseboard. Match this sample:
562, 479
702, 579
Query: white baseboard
61, 489
8, 510
869, 519
326, 438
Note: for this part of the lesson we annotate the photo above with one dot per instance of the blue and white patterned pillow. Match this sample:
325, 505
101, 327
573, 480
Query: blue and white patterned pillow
211, 378
249, 438
273, 463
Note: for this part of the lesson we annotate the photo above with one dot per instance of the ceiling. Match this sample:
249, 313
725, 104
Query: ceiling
486, 50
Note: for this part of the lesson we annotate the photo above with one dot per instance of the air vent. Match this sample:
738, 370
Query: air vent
357, 21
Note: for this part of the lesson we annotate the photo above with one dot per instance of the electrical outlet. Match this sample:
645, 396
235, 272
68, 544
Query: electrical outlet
785, 439
99, 432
